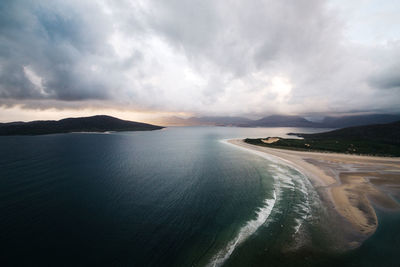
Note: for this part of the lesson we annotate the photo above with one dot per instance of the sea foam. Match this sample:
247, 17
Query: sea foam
283, 179
246, 231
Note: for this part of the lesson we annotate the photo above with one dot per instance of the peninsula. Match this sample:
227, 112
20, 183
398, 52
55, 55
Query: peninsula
352, 185
377, 140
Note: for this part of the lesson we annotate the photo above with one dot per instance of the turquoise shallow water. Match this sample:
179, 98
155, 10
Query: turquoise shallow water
175, 197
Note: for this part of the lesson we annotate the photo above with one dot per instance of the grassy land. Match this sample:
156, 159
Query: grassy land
377, 140
339, 145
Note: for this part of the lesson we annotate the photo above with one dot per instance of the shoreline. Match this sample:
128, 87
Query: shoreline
350, 186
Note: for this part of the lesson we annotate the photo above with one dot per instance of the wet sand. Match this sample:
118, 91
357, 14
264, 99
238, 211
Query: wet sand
353, 186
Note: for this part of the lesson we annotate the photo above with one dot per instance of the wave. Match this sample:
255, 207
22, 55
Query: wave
293, 182
246, 231
284, 179
272, 158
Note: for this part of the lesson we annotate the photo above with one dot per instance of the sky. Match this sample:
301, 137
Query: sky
141, 60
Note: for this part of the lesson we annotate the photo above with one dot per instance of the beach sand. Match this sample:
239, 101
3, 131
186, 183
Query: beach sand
351, 185
270, 140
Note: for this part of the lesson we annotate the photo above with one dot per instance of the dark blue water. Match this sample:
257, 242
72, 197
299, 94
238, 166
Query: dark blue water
175, 197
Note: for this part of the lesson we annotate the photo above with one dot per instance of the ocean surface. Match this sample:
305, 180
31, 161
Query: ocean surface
181, 196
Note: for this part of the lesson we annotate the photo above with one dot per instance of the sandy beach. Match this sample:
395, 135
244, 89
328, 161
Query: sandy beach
352, 186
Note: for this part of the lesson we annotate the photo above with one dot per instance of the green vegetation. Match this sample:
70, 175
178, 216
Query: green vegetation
379, 140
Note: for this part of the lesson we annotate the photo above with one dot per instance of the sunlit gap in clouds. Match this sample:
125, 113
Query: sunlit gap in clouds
18, 113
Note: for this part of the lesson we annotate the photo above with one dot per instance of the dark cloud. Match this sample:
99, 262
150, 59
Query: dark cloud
387, 72
56, 42
390, 80
226, 57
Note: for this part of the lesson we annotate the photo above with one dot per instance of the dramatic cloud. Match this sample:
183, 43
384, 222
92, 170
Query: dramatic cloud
205, 57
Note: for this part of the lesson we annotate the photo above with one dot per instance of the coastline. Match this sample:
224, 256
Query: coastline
350, 186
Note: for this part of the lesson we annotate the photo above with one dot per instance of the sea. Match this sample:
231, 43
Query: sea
181, 196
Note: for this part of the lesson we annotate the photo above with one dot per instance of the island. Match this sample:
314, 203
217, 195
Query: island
98, 123
351, 186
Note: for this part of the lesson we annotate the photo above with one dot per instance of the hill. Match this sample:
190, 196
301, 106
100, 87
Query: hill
358, 120
377, 139
283, 121
388, 133
99, 123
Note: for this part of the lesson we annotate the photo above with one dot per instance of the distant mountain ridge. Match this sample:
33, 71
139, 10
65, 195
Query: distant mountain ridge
99, 123
222, 121
205, 121
284, 121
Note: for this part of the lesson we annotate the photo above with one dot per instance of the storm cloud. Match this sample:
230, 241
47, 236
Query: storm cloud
202, 57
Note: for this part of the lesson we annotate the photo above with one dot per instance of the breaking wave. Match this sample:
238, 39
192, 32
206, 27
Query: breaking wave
284, 179
246, 231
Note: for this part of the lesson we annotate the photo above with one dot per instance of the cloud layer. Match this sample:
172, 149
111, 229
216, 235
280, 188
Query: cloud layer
205, 57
